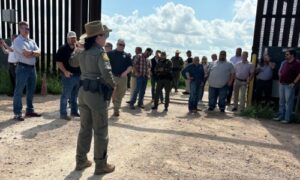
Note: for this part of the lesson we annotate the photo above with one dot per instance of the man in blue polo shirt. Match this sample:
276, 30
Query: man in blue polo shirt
121, 65
26, 51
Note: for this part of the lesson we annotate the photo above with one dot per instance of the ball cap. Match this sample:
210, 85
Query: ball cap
71, 34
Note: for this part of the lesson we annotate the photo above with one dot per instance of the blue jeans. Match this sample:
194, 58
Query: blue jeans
286, 101
25, 76
141, 84
214, 94
153, 89
194, 94
69, 92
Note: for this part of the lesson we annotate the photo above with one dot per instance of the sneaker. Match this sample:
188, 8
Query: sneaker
32, 114
18, 118
75, 114
166, 109
278, 118
154, 108
234, 109
82, 166
185, 93
222, 110
67, 118
108, 168
285, 121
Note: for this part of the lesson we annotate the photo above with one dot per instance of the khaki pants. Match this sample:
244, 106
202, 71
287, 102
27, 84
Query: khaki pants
239, 86
119, 92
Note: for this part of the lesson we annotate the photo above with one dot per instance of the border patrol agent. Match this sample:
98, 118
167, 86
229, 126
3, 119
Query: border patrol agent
96, 84
163, 71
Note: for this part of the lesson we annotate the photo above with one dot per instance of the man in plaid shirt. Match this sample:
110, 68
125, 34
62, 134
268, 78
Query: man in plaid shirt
142, 72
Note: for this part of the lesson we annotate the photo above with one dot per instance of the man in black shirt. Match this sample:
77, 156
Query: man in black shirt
70, 77
121, 65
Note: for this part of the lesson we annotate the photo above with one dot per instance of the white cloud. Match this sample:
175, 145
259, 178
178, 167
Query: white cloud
245, 9
169, 31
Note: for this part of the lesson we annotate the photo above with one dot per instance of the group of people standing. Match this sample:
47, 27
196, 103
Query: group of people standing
225, 78
93, 72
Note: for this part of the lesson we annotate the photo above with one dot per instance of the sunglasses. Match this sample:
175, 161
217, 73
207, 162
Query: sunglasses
123, 45
26, 29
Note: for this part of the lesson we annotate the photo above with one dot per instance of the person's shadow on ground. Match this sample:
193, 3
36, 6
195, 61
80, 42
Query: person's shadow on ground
7, 123
74, 175
33, 132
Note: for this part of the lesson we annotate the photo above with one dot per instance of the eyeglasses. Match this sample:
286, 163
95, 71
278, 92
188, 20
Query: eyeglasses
123, 45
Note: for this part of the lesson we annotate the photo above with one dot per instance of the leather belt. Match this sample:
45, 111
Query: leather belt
12, 64
26, 65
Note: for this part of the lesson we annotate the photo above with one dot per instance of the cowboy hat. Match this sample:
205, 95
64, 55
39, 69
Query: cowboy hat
94, 28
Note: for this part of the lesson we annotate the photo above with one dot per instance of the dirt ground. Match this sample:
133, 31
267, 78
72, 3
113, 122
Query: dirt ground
151, 145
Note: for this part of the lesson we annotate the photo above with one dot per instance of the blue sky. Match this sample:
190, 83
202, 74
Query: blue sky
205, 9
202, 26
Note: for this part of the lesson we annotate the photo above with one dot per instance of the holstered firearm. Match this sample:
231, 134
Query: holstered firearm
107, 91
99, 86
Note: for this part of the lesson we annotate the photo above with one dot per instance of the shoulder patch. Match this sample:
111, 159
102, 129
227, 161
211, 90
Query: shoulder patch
105, 57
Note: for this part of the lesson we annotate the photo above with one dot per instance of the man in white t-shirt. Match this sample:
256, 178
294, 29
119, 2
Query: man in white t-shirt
234, 60
12, 61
